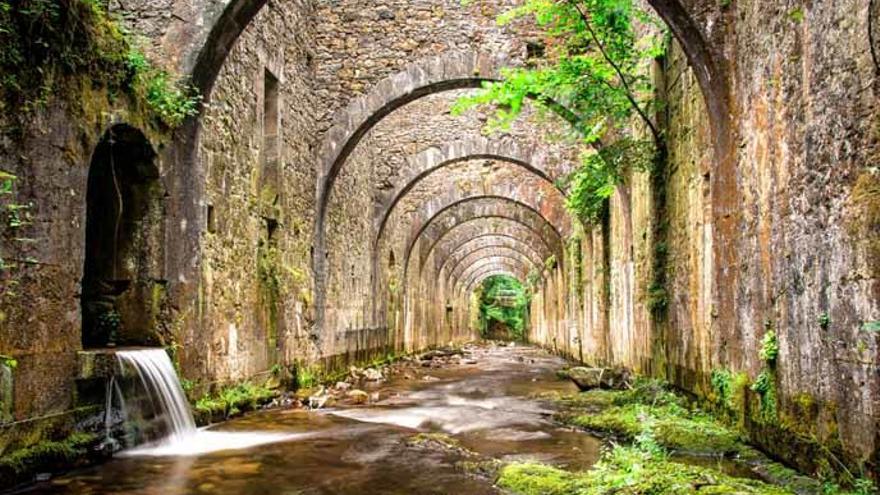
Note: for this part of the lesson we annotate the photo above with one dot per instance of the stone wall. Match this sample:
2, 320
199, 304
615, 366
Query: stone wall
254, 304
803, 267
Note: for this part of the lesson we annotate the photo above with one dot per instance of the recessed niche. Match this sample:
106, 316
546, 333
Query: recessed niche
121, 290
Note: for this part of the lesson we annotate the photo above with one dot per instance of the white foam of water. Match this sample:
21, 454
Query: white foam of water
158, 377
410, 417
453, 420
205, 442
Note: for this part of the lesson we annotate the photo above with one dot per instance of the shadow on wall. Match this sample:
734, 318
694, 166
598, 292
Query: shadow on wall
121, 294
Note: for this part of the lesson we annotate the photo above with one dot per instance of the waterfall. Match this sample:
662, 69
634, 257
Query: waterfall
168, 403
158, 378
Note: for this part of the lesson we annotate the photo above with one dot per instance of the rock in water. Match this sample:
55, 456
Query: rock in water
606, 378
585, 378
372, 375
358, 396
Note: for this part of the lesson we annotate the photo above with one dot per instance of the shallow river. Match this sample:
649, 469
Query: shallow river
488, 406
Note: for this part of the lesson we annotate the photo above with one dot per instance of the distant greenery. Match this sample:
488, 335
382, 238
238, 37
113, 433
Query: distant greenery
504, 300
47, 42
594, 74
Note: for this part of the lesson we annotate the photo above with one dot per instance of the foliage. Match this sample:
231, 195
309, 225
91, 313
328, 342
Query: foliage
234, 400
8, 362
871, 326
503, 299
824, 321
727, 388
601, 172
46, 42
594, 75
171, 100
632, 470
765, 387
769, 347
306, 377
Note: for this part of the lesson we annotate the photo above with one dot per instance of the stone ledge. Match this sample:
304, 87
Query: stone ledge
100, 363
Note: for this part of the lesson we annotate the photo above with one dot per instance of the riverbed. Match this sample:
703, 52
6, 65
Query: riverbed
482, 406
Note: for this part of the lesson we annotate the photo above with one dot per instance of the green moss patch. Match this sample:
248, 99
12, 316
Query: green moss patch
232, 401
21, 465
536, 479
629, 471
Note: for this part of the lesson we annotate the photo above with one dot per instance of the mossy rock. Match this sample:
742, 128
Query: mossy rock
629, 471
22, 465
536, 479
697, 435
673, 428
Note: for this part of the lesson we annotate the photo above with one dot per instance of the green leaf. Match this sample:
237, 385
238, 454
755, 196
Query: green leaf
871, 326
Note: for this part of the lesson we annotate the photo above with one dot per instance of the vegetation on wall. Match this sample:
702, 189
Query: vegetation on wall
765, 383
46, 43
14, 216
503, 301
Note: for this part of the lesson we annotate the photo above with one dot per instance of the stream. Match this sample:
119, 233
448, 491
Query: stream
486, 403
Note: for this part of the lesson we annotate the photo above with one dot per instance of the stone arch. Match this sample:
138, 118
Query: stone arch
123, 241
486, 271
468, 232
487, 241
462, 269
554, 213
433, 229
224, 32
462, 287
525, 219
708, 62
434, 158
456, 70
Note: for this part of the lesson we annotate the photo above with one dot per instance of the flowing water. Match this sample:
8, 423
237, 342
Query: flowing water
487, 405
167, 401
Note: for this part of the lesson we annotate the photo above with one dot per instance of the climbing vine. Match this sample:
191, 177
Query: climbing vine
46, 43
14, 217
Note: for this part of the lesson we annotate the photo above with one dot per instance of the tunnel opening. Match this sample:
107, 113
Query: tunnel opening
503, 303
121, 292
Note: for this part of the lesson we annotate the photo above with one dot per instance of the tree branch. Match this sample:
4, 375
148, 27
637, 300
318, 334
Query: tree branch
630, 96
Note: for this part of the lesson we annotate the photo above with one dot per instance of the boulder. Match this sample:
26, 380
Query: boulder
605, 378
358, 396
372, 375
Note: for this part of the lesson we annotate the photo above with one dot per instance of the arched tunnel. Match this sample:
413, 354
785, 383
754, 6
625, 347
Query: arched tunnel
333, 209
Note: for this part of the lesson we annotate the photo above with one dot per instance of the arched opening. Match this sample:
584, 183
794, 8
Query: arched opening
122, 291
503, 303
